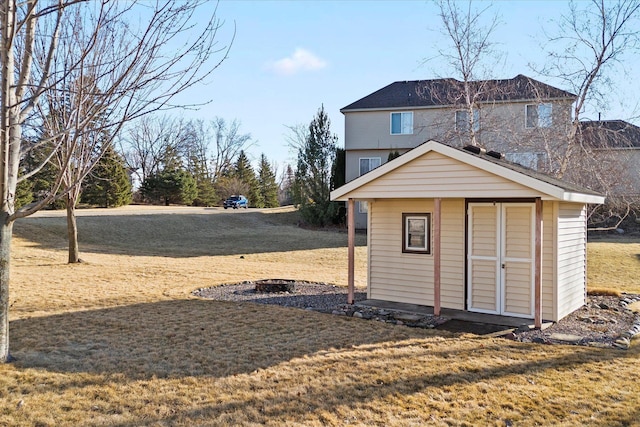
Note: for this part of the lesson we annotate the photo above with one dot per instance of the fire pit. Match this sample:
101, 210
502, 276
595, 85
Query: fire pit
275, 285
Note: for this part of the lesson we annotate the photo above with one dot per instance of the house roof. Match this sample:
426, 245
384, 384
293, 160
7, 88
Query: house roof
608, 134
544, 184
441, 92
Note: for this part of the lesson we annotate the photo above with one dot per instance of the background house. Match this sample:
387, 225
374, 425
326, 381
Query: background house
515, 116
527, 120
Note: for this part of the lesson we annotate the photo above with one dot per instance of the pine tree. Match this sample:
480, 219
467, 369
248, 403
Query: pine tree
172, 185
206, 191
244, 172
108, 185
313, 175
286, 191
267, 185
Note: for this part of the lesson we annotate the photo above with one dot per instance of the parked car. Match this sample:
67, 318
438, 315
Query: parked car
236, 202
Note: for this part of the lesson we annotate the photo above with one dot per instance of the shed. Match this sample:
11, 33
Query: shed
452, 228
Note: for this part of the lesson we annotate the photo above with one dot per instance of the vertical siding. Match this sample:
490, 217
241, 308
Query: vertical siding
571, 257
549, 213
518, 259
483, 271
404, 277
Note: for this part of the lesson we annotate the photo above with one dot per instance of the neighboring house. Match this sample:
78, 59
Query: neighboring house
515, 116
614, 146
459, 230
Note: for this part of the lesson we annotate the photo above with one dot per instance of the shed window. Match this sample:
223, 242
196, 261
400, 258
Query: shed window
416, 233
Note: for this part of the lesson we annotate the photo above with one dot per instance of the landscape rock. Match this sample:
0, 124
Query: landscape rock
570, 338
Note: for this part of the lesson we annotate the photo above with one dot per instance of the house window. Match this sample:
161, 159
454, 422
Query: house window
416, 233
538, 115
462, 120
369, 163
402, 123
526, 159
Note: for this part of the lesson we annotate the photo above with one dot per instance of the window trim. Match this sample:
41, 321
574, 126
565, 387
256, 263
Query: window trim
402, 125
547, 123
476, 120
379, 159
426, 249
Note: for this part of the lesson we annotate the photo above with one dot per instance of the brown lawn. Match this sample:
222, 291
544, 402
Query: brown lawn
119, 341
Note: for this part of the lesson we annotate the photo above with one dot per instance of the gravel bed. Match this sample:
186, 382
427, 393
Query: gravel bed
323, 297
604, 321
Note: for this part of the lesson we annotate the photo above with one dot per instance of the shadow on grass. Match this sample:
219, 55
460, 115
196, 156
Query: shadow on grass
185, 338
324, 364
183, 235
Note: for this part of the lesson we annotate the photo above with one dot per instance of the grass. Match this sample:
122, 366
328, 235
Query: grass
119, 341
614, 263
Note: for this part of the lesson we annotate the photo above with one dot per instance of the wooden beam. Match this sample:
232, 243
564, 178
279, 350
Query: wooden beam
436, 256
351, 233
537, 280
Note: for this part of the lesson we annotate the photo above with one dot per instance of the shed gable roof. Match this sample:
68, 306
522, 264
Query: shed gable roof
441, 92
437, 170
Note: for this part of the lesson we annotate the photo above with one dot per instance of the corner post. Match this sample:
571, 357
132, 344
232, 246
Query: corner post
537, 281
351, 233
436, 255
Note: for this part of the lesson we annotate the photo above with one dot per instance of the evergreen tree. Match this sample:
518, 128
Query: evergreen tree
244, 172
206, 191
286, 191
267, 185
108, 185
338, 179
393, 155
313, 175
171, 185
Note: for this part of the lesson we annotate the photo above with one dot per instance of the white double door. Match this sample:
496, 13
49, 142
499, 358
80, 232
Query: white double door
500, 258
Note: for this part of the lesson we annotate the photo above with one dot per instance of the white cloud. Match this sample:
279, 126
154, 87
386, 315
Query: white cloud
300, 60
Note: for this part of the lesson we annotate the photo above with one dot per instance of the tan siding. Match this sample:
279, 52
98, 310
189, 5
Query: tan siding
548, 260
571, 257
393, 275
452, 256
434, 175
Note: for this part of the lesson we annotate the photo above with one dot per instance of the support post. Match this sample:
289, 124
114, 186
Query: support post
351, 233
436, 256
537, 281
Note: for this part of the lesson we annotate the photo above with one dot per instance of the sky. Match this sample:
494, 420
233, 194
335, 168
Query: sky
290, 57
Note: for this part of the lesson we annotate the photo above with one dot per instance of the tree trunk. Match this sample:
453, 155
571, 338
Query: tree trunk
72, 231
6, 230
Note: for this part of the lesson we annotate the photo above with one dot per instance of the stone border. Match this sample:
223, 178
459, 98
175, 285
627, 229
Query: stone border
625, 338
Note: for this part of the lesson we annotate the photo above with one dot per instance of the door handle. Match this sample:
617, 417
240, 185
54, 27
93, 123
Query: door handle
502, 265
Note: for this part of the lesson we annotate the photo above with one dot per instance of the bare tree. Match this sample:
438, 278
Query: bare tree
297, 137
133, 77
469, 55
586, 51
229, 141
147, 139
